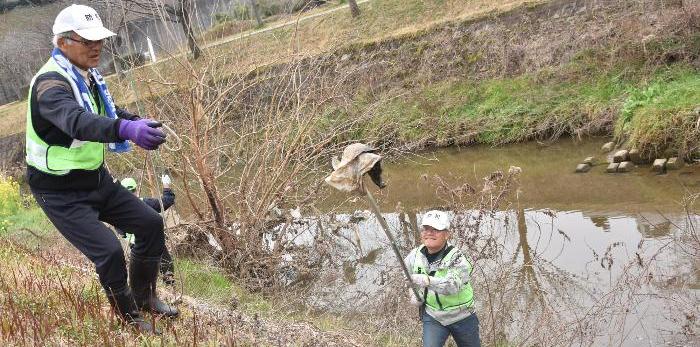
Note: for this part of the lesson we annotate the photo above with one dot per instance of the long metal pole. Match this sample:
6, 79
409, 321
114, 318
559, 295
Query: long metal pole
385, 226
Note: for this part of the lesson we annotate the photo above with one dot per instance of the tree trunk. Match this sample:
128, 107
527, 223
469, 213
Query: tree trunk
353, 8
184, 17
256, 12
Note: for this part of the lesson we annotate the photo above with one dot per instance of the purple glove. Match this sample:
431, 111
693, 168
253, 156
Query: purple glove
142, 132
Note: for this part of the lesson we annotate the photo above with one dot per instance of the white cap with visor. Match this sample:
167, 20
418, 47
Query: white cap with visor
438, 220
83, 20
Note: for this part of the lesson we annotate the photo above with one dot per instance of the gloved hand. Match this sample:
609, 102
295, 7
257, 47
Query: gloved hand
414, 301
165, 179
421, 280
143, 132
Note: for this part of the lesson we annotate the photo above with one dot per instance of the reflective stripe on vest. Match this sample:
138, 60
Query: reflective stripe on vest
464, 298
54, 159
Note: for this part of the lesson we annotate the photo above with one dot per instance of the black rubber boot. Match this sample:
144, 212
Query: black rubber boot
124, 306
143, 276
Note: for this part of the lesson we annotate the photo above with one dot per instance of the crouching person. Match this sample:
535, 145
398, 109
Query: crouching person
441, 274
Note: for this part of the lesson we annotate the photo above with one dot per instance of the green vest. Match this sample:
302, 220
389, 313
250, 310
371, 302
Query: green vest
59, 160
464, 298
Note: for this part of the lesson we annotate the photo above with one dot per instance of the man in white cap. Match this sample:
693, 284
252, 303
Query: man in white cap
442, 275
70, 116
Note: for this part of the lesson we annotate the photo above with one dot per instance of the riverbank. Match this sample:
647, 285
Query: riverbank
616, 68
49, 295
539, 255
533, 71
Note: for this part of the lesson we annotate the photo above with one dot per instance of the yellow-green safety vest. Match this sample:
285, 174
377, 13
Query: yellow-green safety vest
464, 298
55, 159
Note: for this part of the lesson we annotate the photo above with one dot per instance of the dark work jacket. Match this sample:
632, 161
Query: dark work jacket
58, 119
168, 200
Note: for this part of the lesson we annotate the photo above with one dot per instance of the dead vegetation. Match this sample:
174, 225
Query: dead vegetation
48, 298
243, 149
480, 81
523, 299
247, 148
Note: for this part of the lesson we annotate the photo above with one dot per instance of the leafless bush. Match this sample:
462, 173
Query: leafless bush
361, 285
246, 146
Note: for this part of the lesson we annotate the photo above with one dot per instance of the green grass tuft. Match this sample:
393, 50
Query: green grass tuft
204, 281
211, 284
663, 114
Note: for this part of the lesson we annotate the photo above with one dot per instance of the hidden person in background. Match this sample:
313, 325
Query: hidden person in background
442, 275
70, 118
167, 267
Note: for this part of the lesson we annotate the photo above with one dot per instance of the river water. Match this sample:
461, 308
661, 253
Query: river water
548, 180
595, 242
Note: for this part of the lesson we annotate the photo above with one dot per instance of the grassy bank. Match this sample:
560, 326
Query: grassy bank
663, 115
652, 110
239, 54
49, 295
439, 78
46, 300
459, 74
18, 212
13, 117
301, 38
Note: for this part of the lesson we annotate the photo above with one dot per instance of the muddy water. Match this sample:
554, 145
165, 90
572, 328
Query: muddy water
548, 179
586, 230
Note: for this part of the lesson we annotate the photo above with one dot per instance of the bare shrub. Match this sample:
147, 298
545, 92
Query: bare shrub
245, 146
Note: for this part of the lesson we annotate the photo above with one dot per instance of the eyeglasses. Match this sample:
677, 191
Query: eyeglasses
87, 43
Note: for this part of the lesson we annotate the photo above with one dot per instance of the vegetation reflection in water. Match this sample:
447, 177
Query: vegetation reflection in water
563, 265
570, 248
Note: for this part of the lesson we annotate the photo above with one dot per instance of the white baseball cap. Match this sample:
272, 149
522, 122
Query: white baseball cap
439, 220
82, 19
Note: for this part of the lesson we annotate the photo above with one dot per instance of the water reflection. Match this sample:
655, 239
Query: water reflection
562, 262
601, 222
573, 247
569, 241
527, 275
